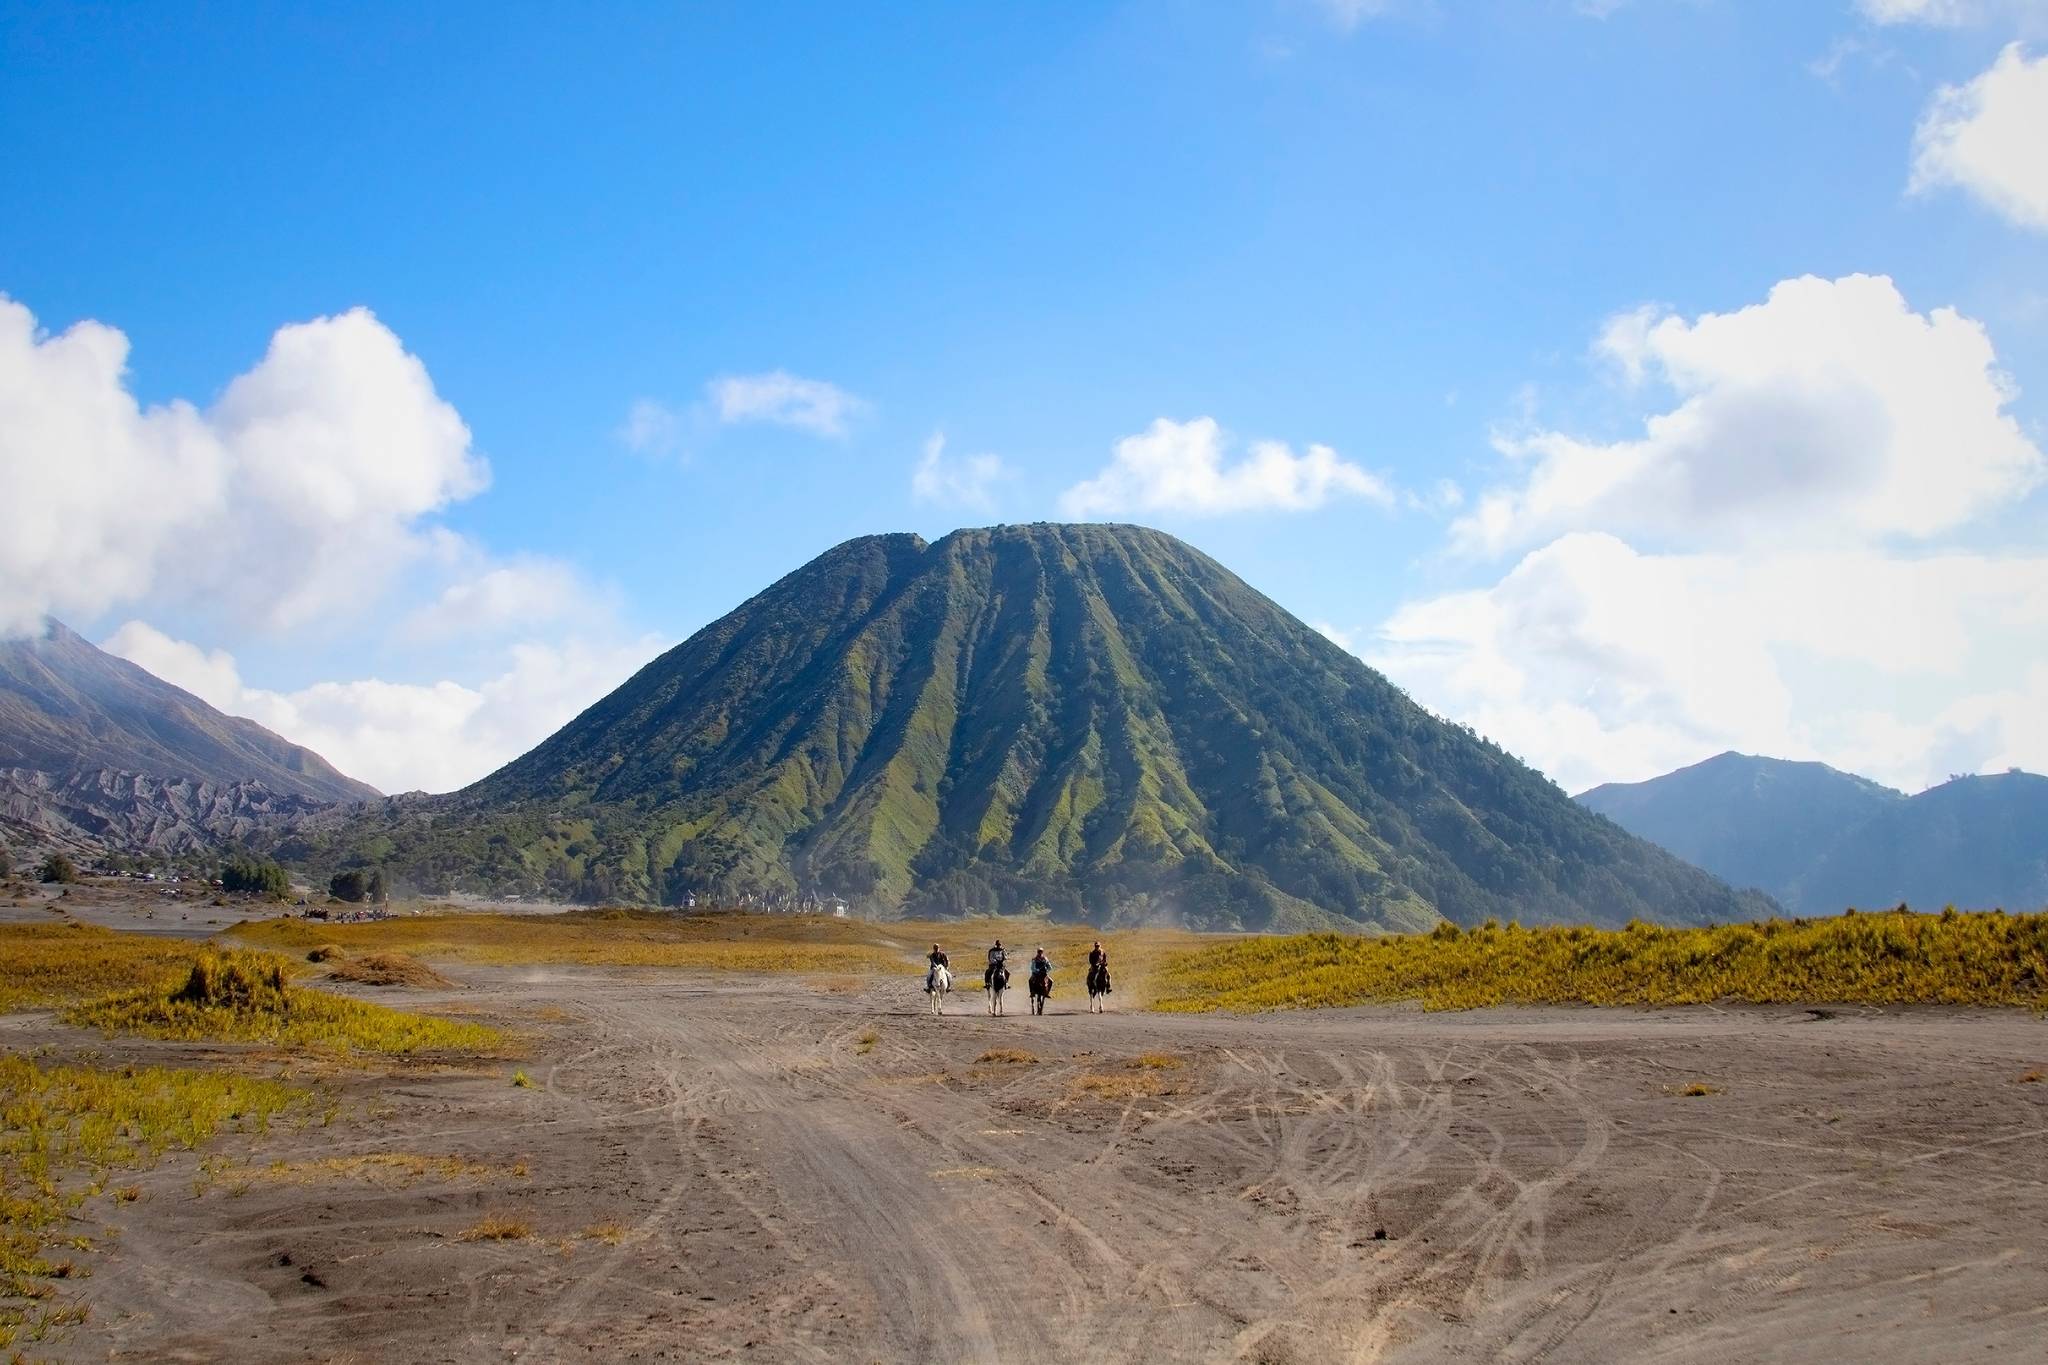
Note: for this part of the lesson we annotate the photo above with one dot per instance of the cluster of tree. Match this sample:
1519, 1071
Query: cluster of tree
6, 863
357, 885
258, 875
58, 869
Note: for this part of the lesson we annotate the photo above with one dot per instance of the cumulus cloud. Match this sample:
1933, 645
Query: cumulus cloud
1783, 563
1596, 661
407, 736
1831, 410
967, 481
785, 400
1180, 467
1986, 138
295, 496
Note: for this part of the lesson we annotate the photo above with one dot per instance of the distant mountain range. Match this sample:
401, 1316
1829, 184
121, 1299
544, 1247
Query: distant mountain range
95, 751
1098, 721
1820, 840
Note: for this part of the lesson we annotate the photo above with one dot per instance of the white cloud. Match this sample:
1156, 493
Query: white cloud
516, 596
297, 495
405, 736
968, 481
1831, 411
1990, 138
1740, 576
651, 428
1179, 467
1598, 662
786, 400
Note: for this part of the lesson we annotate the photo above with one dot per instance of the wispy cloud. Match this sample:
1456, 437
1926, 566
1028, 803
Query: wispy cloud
961, 481
786, 400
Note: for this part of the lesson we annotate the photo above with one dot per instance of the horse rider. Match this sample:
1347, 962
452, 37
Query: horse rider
1041, 967
997, 959
1098, 967
934, 960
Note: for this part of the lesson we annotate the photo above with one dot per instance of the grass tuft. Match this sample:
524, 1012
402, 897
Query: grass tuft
1007, 1056
522, 1080
243, 996
1892, 958
494, 1228
1699, 1090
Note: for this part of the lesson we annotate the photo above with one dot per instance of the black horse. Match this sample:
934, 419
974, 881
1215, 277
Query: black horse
1041, 990
1098, 986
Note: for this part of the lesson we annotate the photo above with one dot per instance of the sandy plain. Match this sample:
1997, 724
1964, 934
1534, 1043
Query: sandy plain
712, 1167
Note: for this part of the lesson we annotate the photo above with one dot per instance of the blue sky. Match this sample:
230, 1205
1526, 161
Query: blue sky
662, 300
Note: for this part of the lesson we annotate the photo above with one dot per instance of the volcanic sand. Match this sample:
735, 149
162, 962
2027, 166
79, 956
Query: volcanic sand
723, 1168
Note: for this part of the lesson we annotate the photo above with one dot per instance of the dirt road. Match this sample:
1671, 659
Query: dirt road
739, 1170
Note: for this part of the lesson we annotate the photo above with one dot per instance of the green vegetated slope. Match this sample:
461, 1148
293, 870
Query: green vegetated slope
1097, 721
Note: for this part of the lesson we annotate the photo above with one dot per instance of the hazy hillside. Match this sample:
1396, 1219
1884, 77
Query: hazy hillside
94, 748
1097, 720
1820, 840
1750, 821
1974, 842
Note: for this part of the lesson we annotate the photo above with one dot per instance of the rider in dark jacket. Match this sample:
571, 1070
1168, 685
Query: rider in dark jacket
934, 960
1098, 967
997, 958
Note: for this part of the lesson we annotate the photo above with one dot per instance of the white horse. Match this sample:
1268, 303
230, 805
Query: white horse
938, 983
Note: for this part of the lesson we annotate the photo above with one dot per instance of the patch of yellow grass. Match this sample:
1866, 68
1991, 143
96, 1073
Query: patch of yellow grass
1007, 1056
64, 1129
1156, 1061
42, 964
605, 938
867, 1042
243, 996
496, 1228
611, 1232
1116, 1086
2034, 1077
1698, 1090
1895, 957
838, 951
522, 1080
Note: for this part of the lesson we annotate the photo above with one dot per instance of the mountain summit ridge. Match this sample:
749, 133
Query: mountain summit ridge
1094, 720
95, 750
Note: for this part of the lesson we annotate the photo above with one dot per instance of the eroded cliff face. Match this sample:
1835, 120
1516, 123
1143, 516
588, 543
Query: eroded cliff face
137, 812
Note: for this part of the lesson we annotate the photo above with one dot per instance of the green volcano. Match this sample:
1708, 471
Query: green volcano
1095, 721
